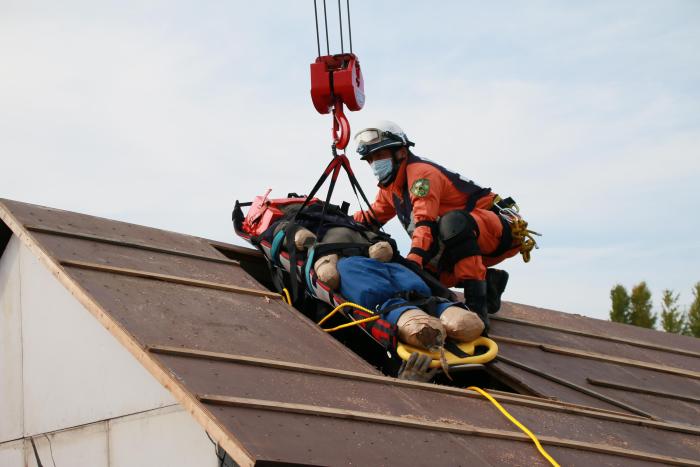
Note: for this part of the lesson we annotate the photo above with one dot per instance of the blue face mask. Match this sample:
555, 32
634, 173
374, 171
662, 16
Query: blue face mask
382, 169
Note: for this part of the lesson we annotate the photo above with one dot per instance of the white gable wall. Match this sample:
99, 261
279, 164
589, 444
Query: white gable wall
185, 445
12, 454
11, 403
160, 437
74, 371
83, 446
64, 377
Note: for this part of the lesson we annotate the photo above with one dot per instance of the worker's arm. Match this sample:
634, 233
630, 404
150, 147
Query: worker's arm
426, 186
383, 208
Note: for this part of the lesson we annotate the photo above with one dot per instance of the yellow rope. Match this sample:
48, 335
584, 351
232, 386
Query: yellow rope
525, 237
522, 427
287, 299
353, 323
518, 228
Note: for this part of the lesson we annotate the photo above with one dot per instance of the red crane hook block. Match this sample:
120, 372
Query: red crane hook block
337, 78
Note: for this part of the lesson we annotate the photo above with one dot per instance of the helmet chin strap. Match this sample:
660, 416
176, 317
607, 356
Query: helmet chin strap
395, 163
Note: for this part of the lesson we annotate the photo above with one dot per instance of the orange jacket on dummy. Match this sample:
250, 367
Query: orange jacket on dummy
424, 191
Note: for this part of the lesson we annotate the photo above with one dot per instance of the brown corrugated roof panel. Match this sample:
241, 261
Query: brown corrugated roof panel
598, 363
271, 387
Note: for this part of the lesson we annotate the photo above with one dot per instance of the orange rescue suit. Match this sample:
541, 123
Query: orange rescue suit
422, 192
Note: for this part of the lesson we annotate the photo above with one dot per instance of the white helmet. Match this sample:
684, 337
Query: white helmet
384, 134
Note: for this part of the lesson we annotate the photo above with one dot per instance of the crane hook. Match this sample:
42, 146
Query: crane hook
340, 122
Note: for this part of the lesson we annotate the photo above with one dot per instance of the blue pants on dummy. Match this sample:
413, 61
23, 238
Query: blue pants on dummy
375, 285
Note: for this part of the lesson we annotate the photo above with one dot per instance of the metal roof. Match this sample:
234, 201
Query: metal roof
272, 388
599, 363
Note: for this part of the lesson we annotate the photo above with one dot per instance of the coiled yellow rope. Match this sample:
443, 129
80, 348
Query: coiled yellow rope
524, 236
515, 422
518, 227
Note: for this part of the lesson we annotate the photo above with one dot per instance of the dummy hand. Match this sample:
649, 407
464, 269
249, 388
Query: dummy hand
417, 368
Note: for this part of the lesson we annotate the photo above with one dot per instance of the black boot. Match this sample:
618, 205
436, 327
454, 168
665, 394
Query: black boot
475, 299
496, 281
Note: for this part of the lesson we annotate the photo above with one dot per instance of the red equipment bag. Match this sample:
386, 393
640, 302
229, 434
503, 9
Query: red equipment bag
264, 211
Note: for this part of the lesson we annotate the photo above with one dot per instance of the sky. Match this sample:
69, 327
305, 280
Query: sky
163, 113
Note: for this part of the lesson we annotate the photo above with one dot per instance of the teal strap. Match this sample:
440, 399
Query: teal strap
276, 247
307, 270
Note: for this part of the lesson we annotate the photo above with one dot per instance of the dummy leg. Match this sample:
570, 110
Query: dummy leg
461, 325
419, 329
326, 269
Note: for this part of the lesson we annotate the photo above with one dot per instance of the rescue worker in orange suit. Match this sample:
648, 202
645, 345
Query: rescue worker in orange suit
455, 232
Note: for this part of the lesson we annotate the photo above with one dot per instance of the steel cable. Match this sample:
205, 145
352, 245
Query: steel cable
325, 20
349, 25
340, 24
318, 39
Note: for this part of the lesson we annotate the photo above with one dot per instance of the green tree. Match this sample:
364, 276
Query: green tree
693, 323
640, 306
620, 312
672, 318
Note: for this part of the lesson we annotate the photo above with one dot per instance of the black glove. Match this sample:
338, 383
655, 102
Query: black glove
417, 368
413, 266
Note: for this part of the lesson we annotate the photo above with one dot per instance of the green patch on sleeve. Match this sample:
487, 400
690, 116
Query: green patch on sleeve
421, 187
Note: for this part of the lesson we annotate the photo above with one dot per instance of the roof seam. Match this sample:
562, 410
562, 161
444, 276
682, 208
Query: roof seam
575, 386
600, 357
366, 377
169, 278
651, 392
138, 246
463, 429
620, 340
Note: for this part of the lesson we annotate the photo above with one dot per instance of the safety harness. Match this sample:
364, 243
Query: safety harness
403, 206
515, 231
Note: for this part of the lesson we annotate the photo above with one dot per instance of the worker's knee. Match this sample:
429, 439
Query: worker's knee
458, 228
459, 233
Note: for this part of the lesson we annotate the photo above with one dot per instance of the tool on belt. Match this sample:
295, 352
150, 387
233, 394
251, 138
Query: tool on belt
509, 211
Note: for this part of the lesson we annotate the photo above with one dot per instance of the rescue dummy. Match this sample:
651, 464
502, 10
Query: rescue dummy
404, 299
422, 320
458, 229
356, 262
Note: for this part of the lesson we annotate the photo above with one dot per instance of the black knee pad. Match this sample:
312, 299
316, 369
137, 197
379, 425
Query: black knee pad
458, 227
459, 232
